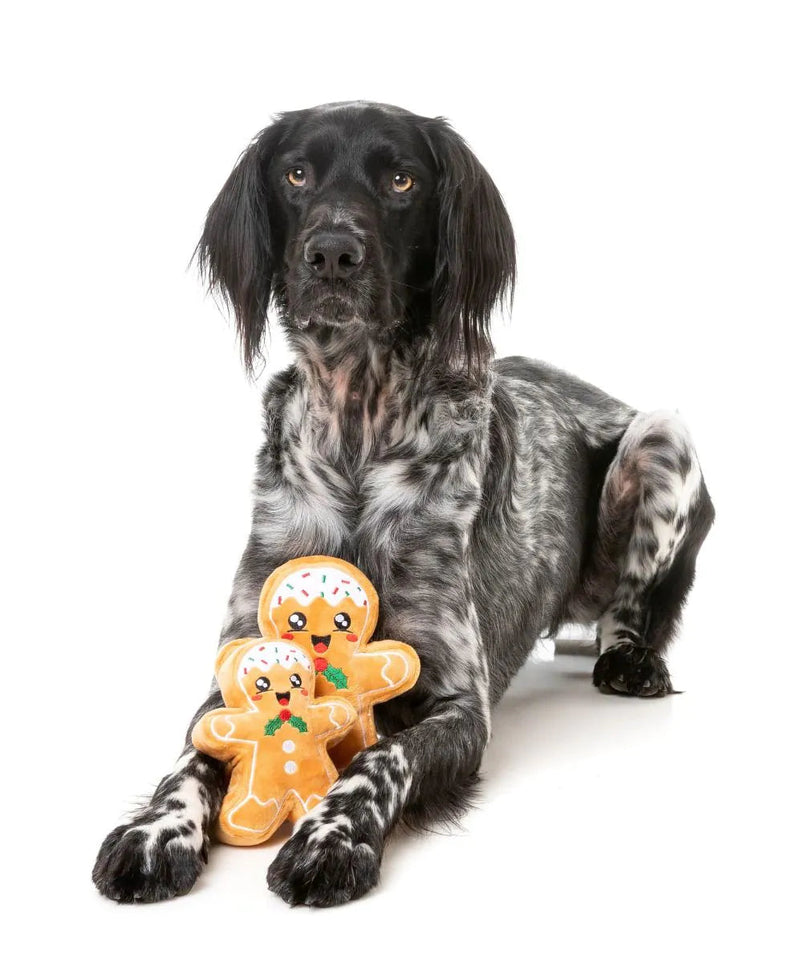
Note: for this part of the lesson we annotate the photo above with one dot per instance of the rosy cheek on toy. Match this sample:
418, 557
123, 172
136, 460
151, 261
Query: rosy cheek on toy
288, 635
304, 691
352, 638
256, 697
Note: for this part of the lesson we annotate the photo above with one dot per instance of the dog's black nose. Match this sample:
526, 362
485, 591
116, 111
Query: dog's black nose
334, 254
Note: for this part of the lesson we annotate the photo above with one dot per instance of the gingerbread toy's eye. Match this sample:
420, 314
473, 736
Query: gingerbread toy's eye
295, 679
262, 684
297, 621
342, 621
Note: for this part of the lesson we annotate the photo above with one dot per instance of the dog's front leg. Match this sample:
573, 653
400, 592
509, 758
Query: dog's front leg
414, 543
335, 852
160, 852
426, 769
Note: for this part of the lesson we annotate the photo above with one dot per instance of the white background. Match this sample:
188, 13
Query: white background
648, 154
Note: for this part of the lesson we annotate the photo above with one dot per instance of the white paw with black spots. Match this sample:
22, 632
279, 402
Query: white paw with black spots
632, 670
323, 869
146, 863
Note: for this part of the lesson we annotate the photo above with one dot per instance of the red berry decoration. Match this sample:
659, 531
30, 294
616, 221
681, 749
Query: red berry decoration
285, 714
320, 664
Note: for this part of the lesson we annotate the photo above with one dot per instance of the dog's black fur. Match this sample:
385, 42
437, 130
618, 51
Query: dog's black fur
487, 501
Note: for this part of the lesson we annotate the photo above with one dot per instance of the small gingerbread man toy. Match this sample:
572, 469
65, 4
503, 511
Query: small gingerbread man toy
327, 605
273, 734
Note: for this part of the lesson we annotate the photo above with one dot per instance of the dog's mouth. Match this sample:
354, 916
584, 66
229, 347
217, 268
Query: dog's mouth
320, 642
333, 308
311, 302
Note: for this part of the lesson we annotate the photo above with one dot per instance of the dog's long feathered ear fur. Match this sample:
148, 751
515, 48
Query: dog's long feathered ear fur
475, 259
235, 251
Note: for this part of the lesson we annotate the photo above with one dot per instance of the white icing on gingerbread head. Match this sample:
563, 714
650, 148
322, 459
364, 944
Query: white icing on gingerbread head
328, 582
265, 654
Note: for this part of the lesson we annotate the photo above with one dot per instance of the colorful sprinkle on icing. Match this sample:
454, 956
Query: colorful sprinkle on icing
281, 654
326, 581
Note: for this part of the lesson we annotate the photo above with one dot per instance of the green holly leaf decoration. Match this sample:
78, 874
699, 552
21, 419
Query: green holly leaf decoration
298, 723
272, 726
336, 677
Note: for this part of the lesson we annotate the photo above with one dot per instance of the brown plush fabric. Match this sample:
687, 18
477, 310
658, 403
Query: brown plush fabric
306, 687
273, 734
330, 608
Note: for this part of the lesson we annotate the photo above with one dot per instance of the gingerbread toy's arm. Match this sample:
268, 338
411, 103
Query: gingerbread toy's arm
331, 718
385, 669
217, 730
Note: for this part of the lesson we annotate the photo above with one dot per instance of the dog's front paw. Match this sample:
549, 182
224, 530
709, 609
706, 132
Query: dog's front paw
147, 862
630, 669
322, 865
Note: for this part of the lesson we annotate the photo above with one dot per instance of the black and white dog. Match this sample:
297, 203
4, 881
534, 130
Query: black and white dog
502, 496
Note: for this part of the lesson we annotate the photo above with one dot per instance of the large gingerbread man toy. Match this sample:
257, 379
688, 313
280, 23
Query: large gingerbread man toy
273, 734
327, 605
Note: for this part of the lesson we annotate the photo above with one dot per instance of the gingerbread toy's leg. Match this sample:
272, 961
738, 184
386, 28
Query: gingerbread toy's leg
252, 815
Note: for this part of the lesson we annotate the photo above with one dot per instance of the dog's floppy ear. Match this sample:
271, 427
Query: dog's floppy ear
475, 257
235, 252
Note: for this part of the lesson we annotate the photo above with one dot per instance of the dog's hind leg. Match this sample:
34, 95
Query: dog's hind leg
654, 514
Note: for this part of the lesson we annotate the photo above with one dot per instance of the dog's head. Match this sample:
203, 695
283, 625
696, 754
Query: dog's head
361, 215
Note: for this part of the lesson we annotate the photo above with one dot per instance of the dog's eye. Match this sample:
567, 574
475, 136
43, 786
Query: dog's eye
342, 621
296, 176
297, 621
402, 181
295, 679
262, 684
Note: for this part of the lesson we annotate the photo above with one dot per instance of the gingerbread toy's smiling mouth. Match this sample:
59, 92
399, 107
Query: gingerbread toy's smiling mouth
283, 698
320, 642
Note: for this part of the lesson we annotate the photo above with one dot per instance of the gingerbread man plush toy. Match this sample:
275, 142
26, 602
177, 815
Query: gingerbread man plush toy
327, 605
273, 734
